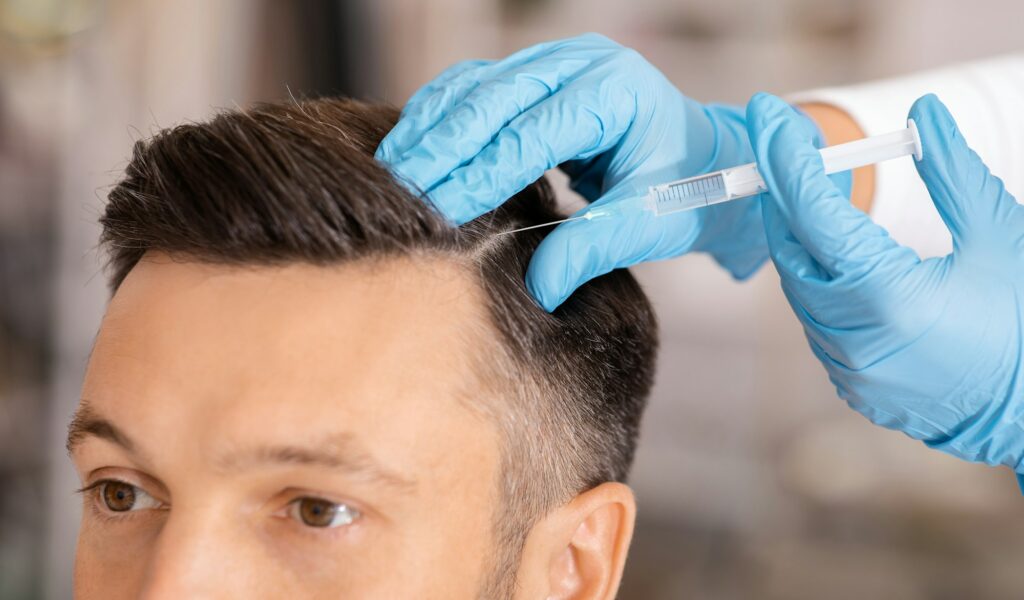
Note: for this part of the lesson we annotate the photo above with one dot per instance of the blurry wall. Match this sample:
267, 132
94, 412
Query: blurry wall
753, 479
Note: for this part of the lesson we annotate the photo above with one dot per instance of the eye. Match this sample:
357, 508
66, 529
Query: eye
118, 496
317, 512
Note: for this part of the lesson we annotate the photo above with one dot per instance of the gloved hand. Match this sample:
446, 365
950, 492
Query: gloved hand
932, 348
482, 131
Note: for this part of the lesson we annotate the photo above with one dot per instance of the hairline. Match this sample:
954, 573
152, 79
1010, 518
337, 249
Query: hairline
501, 379
591, 416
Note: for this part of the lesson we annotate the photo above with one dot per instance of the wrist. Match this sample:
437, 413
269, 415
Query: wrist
733, 232
731, 142
837, 127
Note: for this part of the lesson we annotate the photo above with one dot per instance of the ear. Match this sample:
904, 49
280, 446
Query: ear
579, 549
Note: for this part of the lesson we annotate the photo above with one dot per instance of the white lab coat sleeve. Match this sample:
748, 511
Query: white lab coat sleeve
987, 100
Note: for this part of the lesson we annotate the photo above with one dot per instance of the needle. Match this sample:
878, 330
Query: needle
586, 216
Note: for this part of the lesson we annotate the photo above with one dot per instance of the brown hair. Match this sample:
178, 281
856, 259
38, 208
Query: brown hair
298, 182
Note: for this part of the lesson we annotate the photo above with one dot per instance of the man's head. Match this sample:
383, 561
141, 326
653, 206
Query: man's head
308, 383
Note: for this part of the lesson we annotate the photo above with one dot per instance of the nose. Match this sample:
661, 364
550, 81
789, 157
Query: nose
202, 553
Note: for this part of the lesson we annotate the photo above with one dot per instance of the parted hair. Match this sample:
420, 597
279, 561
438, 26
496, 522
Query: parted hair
298, 182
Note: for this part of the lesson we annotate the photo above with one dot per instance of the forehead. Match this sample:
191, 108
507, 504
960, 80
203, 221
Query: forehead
381, 349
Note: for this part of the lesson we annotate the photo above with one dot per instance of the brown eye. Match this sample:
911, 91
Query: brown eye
121, 497
317, 512
118, 496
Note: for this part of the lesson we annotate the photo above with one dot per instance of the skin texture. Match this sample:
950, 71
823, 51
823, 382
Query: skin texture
362, 398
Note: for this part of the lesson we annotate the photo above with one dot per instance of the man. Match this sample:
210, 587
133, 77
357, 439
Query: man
933, 348
308, 385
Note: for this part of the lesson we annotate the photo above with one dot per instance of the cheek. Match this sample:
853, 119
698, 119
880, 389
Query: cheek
432, 555
448, 547
442, 552
108, 564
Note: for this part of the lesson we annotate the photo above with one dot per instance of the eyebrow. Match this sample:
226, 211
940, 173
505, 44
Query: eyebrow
339, 451
87, 423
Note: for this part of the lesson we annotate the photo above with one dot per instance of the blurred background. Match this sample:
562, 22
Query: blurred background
754, 480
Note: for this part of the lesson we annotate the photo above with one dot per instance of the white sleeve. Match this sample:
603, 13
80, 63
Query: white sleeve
987, 100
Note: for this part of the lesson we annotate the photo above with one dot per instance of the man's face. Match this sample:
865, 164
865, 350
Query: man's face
296, 432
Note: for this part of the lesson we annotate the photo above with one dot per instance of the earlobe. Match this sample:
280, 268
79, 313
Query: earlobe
598, 529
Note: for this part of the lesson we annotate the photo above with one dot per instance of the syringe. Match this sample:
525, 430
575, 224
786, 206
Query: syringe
745, 181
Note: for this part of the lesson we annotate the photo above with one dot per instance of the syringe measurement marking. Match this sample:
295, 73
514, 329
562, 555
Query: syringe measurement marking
681, 193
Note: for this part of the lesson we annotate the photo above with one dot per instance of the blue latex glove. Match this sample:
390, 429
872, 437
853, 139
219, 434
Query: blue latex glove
932, 348
484, 130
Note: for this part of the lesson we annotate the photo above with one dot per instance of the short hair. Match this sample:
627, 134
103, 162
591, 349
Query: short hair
298, 182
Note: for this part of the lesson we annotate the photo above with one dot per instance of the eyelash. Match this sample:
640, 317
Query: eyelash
292, 509
92, 491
